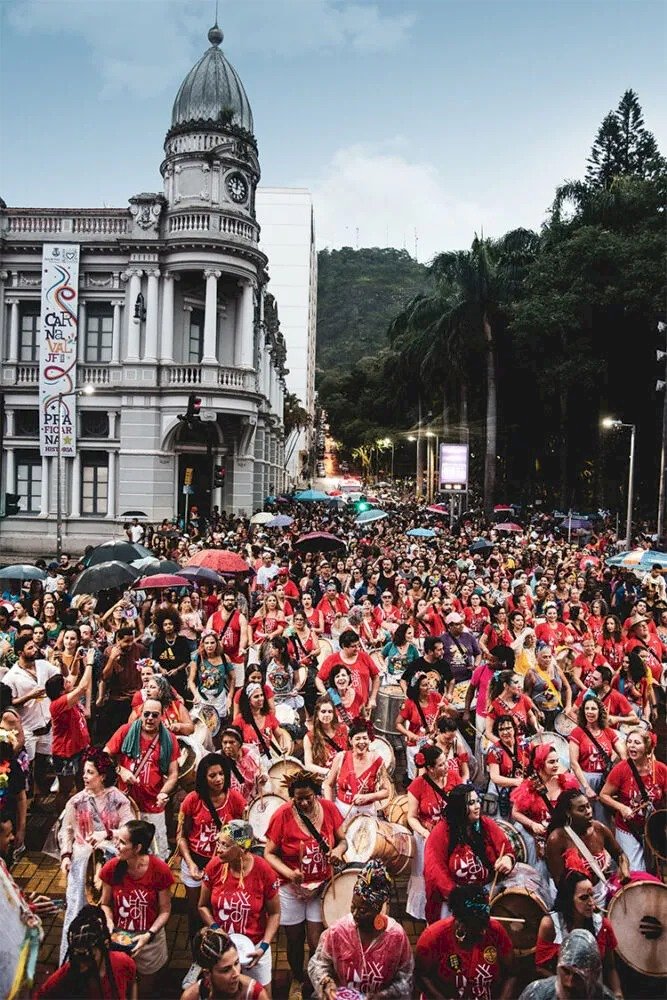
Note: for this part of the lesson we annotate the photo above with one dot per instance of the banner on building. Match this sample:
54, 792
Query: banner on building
454, 467
58, 325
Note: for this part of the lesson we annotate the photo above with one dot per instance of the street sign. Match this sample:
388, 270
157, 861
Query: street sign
454, 466
187, 478
188, 490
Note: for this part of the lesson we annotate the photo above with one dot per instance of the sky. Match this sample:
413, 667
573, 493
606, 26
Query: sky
415, 123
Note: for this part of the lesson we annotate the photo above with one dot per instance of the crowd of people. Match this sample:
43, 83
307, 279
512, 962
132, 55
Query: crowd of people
464, 728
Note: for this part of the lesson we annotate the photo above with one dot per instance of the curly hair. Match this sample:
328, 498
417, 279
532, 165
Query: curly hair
167, 614
603, 715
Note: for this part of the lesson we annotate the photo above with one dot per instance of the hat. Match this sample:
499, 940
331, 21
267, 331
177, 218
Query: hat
454, 618
639, 620
52, 565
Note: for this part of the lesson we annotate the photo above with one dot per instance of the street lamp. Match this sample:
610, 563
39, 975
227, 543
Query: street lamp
609, 423
87, 390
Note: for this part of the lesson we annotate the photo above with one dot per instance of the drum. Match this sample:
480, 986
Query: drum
515, 839
278, 771
520, 898
397, 811
190, 753
389, 701
208, 715
288, 740
379, 661
326, 649
384, 749
260, 812
655, 843
337, 896
369, 837
459, 695
564, 725
559, 743
245, 948
638, 914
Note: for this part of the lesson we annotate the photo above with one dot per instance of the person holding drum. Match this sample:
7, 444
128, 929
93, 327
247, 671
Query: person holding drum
506, 761
201, 816
456, 751
344, 695
463, 848
87, 824
286, 676
358, 775
245, 767
533, 802
222, 979
546, 684
267, 623
594, 748
507, 698
365, 951
574, 908
239, 895
427, 796
327, 738
259, 725
305, 837
175, 715
212, 676
417, 716
634, 789
399, 652
304, 647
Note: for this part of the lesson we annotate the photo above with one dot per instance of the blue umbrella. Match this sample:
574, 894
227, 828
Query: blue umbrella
421, 533
279, 521
310, 496
481, 545
368, 516
638, 559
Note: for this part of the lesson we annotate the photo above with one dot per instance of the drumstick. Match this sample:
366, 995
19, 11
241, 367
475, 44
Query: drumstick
301, 856
511, 920
495, 877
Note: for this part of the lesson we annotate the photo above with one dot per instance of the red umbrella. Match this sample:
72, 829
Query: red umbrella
222, 561
334, 493
589, 562
319, 541
509, 526
161, 580
438, 508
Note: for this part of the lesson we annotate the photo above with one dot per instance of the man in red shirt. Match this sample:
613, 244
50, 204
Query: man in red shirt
618, 707
69, 730
146, 755
641, 638
333, 605
365, 673
232, 627
586, 662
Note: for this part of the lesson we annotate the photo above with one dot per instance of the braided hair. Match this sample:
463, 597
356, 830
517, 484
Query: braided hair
88, 930
208, 947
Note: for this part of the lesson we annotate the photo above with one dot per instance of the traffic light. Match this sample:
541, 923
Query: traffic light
12, 504
194, 406
219, 474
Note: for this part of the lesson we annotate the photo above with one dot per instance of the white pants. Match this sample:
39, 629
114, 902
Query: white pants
416, 901
633, 849
161, 843
75, 894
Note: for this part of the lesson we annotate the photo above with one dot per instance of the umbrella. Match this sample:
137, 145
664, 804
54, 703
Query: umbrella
481, 545
368, 516
439, 508
421, 533
200, 574
105, 576
589, 562
279, 521
149, 564
22, 571
222, 561
161, 580
576, 524
118, 550
319, 541
261, 517
310, 496
639, 559
508, 526
334, 493
134, 513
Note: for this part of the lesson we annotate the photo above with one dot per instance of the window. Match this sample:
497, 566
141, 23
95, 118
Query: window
94, 424
94, 482
99, 333
196, 338
26, 423
29, 481
29, 331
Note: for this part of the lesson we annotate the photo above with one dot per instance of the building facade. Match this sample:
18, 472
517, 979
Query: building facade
172, 301
288, 237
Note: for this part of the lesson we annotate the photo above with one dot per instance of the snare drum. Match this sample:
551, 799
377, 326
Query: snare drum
326, 649
337, 896
521, 896
559, 743
260, 814
369, 837
564, 725
390, 697
384, 749
283, 768
638, 914
515, 839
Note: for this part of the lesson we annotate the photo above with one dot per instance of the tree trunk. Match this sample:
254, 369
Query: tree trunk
491, 418
420, 454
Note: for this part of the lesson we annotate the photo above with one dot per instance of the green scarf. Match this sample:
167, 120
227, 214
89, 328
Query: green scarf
131, 745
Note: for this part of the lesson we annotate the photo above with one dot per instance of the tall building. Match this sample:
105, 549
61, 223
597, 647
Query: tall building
172, 303
288, 237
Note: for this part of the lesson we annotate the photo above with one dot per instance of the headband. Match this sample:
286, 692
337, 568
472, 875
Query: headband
100, 760
239, 831
252, 687
374, 884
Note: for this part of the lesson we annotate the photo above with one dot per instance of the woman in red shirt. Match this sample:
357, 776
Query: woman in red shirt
239, 895
507, 698
427, 796
595, 620
136, 898
327, 738
258, 724
495, 634
417, 716
455, 749
314, 617
69, 734
594, 748
358, 774
217, 954
476, 615
553, 632
202, 815
267, 623
612, 646
534, 801
506, 761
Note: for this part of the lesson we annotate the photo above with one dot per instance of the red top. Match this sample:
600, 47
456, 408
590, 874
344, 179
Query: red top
554, 635
498, 754
124, 973
330, 609
239, 905
203, 831
596, 627
409, 713
430, 803
261, 627
151, 779
298, 849
339, 738
248, 766
135, 901
590, 758
587, 666
547, 951
613, 653
531, 804
69, 734
655, 782
267, 728
476, 620
494, 636
518, 710
363, 671
470, 974
229, 632
350, 784
655, 651
615, 702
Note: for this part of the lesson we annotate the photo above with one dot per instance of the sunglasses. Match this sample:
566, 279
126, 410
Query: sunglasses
152, 715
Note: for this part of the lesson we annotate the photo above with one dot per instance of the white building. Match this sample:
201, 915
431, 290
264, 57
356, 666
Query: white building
288, 237
173, 300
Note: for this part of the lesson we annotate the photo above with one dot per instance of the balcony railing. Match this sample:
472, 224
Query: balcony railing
103, 223
27, 374
236, 379
94, 375
181, 375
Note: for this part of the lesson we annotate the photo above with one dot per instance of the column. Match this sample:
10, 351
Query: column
167, 329
133, 324
111, 486
211, 318
9, 423
13, 354
75, 504
150, 348
244, 332
44, 501
10, 471
4, 346
81, 334
115, 335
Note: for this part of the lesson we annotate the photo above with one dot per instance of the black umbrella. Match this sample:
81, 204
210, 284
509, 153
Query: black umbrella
105, 576
481, 545
151, 566
201, 574
319, 541
22, 571
117, 550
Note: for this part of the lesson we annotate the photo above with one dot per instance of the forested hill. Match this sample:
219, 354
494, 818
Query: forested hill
358, 295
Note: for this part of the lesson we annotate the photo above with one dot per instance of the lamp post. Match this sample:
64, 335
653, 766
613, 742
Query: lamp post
87, 390
610, 424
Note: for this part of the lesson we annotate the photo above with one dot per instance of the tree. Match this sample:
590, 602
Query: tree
624, 146
295, 416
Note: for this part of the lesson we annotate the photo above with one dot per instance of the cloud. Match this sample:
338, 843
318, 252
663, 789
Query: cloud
374, 197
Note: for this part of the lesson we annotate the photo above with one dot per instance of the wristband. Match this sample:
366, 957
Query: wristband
264, 945
214, 927
150, 933
66, 854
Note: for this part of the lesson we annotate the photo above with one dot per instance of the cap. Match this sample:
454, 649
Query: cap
454, 619
52, 565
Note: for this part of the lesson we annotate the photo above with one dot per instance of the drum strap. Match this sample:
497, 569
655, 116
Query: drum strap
639, 781
235, 771
422, 716
332, 743
439, 791
313, 831
607, 758
137, 769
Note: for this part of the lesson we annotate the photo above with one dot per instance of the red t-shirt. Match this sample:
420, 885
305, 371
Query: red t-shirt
135, 901
469, 974
494, 636
267, 728
590, 758
299, 849
518, 710
615, 702
621, 778
500, 755
587, 666
124, 973
241, 909
409, 713
203, 832
363, 671
69, 734
430, 803
554, 635
151, 779
477, 620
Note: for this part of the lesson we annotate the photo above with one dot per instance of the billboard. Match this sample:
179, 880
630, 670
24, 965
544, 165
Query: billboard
454, 467
58, 325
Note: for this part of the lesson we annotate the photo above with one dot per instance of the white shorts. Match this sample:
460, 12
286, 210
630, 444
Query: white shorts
294, 910
186, 877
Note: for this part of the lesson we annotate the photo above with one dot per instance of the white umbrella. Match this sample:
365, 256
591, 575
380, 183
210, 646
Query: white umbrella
262, 517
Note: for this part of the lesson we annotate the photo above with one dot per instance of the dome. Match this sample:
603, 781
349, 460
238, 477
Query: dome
211, 88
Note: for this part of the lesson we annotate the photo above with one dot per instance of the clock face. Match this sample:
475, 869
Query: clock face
237, 187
